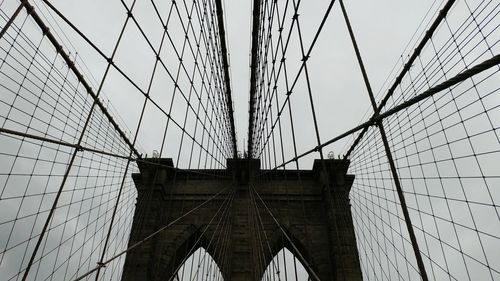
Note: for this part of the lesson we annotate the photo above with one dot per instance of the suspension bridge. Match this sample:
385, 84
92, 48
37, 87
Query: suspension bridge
119, 156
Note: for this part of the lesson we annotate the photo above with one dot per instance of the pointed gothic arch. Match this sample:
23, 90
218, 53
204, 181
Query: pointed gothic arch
199, 265
189, 242
292, 241
285, 266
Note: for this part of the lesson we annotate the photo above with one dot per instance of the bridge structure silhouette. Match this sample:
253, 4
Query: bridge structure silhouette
413, 195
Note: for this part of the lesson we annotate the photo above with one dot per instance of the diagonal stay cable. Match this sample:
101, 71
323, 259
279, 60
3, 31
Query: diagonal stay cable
78, 74
117, 68
225, 205
180, 58
104, 263
428, 35
226, 216
302, 65
310, 270
425, 39
89, 149
59, 50
11, 19
395, 174
263, 230
481, 67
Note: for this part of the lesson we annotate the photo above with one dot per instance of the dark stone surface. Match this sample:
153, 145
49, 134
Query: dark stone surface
312, 207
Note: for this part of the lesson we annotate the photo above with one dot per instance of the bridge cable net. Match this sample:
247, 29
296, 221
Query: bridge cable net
424, 162
82, 104
425, 200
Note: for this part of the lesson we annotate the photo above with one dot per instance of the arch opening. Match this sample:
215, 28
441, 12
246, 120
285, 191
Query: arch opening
200, 265
285, 266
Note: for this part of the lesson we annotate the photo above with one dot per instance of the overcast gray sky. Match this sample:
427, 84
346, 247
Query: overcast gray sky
386, 31
383, 29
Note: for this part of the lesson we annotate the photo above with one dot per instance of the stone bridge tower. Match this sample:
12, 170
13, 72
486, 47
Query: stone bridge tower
310, 210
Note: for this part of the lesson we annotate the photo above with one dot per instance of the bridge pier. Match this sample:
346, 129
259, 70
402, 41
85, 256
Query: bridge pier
311, 206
